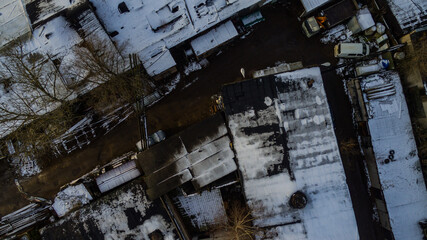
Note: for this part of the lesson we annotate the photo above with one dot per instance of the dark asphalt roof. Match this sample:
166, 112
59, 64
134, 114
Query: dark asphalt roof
240, 96
250, 94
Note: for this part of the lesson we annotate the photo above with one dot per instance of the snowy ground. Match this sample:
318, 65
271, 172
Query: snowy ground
70, 198
401, 176
25, 165
123, 214
285, 143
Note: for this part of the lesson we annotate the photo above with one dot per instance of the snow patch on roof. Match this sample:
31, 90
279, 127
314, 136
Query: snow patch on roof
121, 214
409, 14
41, 10
156, 58
205, 209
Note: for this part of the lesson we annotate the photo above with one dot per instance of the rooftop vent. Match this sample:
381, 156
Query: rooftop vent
298, 200
123, 8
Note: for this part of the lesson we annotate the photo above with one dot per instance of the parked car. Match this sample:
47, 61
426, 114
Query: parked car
152, 139
351, 50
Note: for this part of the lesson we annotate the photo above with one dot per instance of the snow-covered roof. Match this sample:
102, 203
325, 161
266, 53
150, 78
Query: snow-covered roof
311, 5
169, 21
156, 58
364, 18
13, 21
409, 14
214, 38
285, 142
391, 133
41, 10
123, 214
56, 38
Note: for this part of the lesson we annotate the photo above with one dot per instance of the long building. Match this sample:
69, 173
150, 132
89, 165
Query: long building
288, 156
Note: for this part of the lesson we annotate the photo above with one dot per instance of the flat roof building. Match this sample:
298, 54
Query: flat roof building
396, 172
287, 153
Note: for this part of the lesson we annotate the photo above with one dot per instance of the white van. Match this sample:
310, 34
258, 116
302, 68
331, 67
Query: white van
351, 50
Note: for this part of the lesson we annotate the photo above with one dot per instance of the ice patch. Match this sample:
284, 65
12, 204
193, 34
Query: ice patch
319, 100
172, 85
268, 101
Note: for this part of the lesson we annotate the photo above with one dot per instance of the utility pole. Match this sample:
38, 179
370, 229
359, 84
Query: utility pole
136, 66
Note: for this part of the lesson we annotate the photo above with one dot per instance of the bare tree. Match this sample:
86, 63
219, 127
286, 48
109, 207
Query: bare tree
419, 55
97, 62
238, 225
34, 106
416, 56
103, 65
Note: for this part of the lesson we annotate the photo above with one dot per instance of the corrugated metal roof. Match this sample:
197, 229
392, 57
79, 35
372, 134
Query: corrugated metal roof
117, 176
200, 153
311, 5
